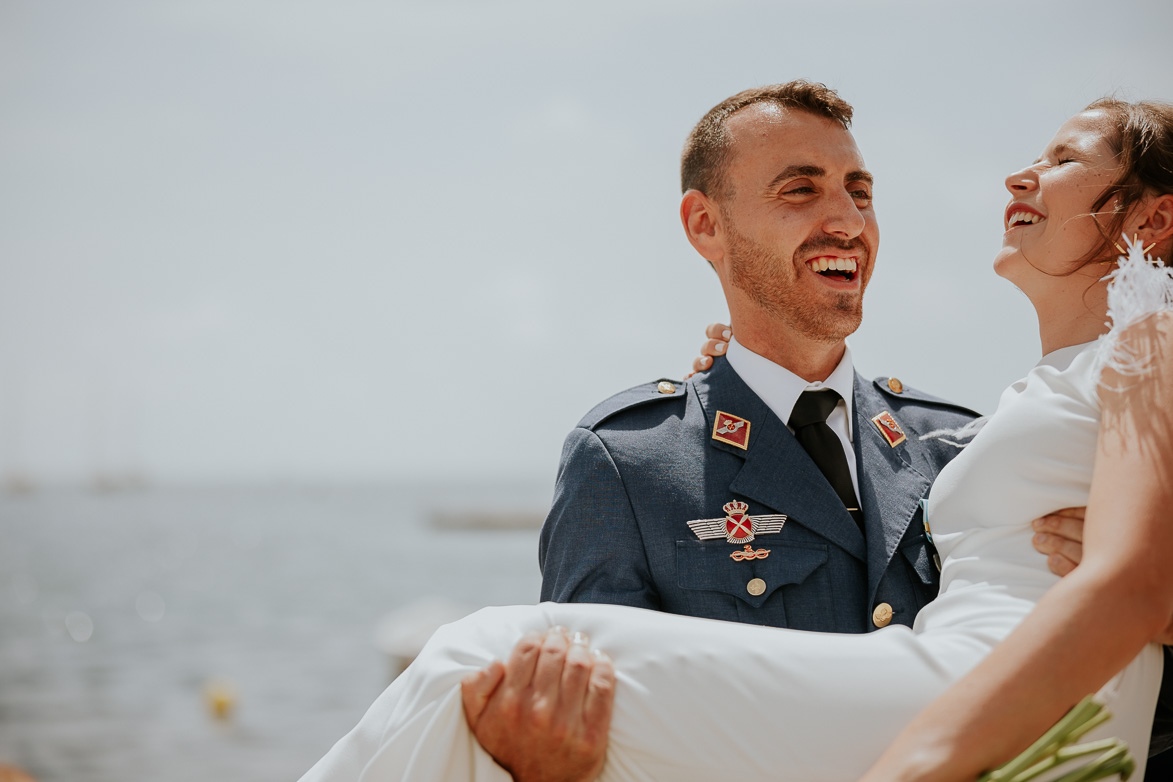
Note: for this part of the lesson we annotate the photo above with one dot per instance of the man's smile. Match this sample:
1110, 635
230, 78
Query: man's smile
832, 267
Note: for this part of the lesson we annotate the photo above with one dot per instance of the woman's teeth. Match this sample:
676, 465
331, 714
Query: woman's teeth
1024, 218
832, 264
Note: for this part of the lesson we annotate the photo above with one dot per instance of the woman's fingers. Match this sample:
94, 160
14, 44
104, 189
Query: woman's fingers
718, 331
714, 347
476, 689
718, 342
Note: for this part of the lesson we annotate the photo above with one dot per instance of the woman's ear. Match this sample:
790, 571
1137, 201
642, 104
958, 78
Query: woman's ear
701, 218
1156, 220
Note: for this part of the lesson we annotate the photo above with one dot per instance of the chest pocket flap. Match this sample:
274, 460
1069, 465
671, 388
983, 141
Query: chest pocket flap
707, 566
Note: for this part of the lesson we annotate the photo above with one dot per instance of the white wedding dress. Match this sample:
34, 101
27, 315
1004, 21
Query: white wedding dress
705, 700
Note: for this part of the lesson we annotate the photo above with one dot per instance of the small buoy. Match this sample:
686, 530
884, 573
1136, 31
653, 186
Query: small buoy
220, 697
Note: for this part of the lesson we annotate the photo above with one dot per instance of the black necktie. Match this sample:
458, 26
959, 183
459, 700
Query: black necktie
809, 422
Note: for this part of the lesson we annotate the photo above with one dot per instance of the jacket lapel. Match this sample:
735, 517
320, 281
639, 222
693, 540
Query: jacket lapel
890, 487
776, 472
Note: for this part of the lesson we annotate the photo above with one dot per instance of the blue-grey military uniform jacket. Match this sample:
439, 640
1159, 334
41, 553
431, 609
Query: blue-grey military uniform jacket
644, 463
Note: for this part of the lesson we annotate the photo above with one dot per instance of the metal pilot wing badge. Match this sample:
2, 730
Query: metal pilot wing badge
740, 528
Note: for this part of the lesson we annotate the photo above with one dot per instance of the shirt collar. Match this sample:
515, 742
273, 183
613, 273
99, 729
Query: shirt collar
780, 388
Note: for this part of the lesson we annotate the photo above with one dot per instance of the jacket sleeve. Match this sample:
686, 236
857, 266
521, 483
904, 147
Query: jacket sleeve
591, 549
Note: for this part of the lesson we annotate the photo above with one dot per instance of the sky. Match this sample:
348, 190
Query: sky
330, 242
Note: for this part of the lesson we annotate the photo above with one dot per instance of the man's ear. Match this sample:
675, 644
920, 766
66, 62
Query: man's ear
1156, 220
701, 218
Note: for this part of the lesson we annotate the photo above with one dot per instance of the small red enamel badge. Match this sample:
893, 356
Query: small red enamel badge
889, 428
731, 429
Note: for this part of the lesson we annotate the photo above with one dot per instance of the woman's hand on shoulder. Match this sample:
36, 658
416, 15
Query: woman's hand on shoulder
717, 343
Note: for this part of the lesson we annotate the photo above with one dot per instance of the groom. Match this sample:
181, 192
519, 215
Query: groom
779, 201
778, 488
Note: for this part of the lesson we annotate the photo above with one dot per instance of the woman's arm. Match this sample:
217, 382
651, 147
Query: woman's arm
1100, 616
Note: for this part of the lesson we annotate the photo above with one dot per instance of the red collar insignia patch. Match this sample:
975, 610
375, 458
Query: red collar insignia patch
889, 428
731, 429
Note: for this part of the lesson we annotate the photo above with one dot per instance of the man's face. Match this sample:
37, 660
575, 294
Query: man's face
801, 234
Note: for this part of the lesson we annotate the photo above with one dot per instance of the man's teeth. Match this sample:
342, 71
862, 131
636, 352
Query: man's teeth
1026, 218
833, 264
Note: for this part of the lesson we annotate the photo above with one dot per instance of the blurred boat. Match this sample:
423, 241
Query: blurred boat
487, 519
18, 484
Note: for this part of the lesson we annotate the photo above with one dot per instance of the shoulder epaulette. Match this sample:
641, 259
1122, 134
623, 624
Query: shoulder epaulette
892, 387
656, 391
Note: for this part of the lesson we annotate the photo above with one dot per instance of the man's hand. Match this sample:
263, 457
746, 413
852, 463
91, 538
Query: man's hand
1060, 536
544, 716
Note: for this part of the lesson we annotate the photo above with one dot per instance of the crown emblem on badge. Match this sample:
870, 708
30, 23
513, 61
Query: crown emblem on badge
736, 507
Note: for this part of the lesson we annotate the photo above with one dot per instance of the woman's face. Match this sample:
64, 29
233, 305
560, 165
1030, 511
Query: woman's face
1049, 225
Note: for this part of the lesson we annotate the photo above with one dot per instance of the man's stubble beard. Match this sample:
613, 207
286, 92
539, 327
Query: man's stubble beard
770, 281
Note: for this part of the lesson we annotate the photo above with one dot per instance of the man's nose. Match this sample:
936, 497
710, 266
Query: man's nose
843, 217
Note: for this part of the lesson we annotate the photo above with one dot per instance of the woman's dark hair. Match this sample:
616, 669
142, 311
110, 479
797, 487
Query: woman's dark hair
1141, 135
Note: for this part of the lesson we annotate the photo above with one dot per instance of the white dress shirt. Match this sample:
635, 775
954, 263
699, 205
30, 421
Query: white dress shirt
780, 388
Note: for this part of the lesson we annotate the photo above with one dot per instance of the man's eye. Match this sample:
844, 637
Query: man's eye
861, 195
803, 190
1063, 160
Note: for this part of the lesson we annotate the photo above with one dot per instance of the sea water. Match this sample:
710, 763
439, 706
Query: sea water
127, 618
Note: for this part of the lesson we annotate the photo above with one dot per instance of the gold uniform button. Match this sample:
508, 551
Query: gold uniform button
882, 616
666, 388
896, 386
756, 587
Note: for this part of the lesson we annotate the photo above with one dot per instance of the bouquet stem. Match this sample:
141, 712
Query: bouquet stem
1054, 749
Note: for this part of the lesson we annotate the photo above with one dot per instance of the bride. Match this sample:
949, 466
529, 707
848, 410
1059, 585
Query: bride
1004, 650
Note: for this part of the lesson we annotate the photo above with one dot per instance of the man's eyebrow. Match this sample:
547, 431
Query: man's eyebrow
790, 172
795, 171
860, 176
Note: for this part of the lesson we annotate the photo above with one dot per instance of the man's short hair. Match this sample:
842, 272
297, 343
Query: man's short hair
706, 152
